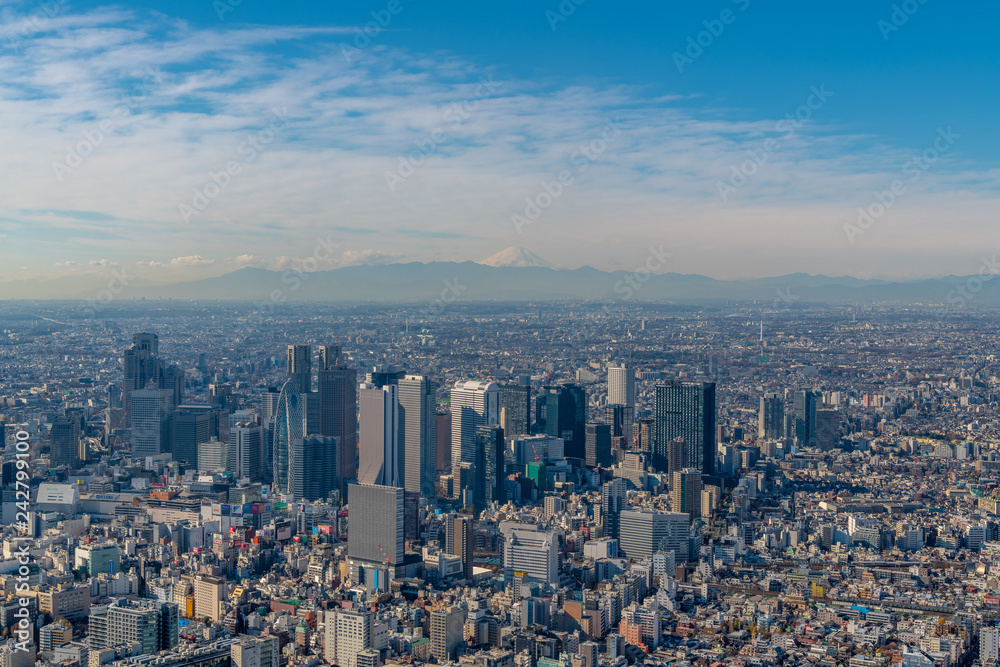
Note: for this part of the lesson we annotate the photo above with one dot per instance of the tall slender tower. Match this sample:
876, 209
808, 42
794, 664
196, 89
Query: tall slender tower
379, 435
338, 406
771, 420
416, 416
287, 449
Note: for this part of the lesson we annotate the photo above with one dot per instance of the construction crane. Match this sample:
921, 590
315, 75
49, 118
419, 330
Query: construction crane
387, 559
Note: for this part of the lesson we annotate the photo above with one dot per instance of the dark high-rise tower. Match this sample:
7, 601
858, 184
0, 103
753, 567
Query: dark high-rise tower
686, 410
142, 366
338, 417
566, 417
459, 541
65, 448
490, 466
614, 499
515, 400
598, 446
805, 418
771, 420
300, 367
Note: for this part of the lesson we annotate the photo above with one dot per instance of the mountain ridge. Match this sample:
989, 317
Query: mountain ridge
453, 281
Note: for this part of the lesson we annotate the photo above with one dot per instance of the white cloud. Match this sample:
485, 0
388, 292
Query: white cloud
351, 123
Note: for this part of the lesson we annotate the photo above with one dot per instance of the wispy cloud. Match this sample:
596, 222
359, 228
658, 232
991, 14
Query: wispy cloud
349, 123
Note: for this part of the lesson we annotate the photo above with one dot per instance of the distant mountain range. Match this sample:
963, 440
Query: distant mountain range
511, 280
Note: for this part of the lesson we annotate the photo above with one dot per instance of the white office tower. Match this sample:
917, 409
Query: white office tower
245, 450
989, 645
474, 403
529, 550
149, 410
380, 461
621, 385
348, 633
621, 391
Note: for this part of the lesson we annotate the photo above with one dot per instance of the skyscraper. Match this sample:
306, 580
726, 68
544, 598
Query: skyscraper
827, 428
442, 439
319, 463
515, 399
142, 366
338, 406
287, 448
416, 416
805, 417
490, 466
376, 527
245, 450
65, 437
621, 391
300, 367
150, 410
188, 429
459, 541
771, 420
379, 435
598, 440
474, 403
685, 492
566, 417
686, 410
614, 500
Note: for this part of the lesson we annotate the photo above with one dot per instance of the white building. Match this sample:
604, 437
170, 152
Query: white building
474, 403
379, 435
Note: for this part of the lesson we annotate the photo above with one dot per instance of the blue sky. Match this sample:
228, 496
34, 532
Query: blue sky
228, 135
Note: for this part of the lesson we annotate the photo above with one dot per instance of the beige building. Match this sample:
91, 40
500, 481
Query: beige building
209, 592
